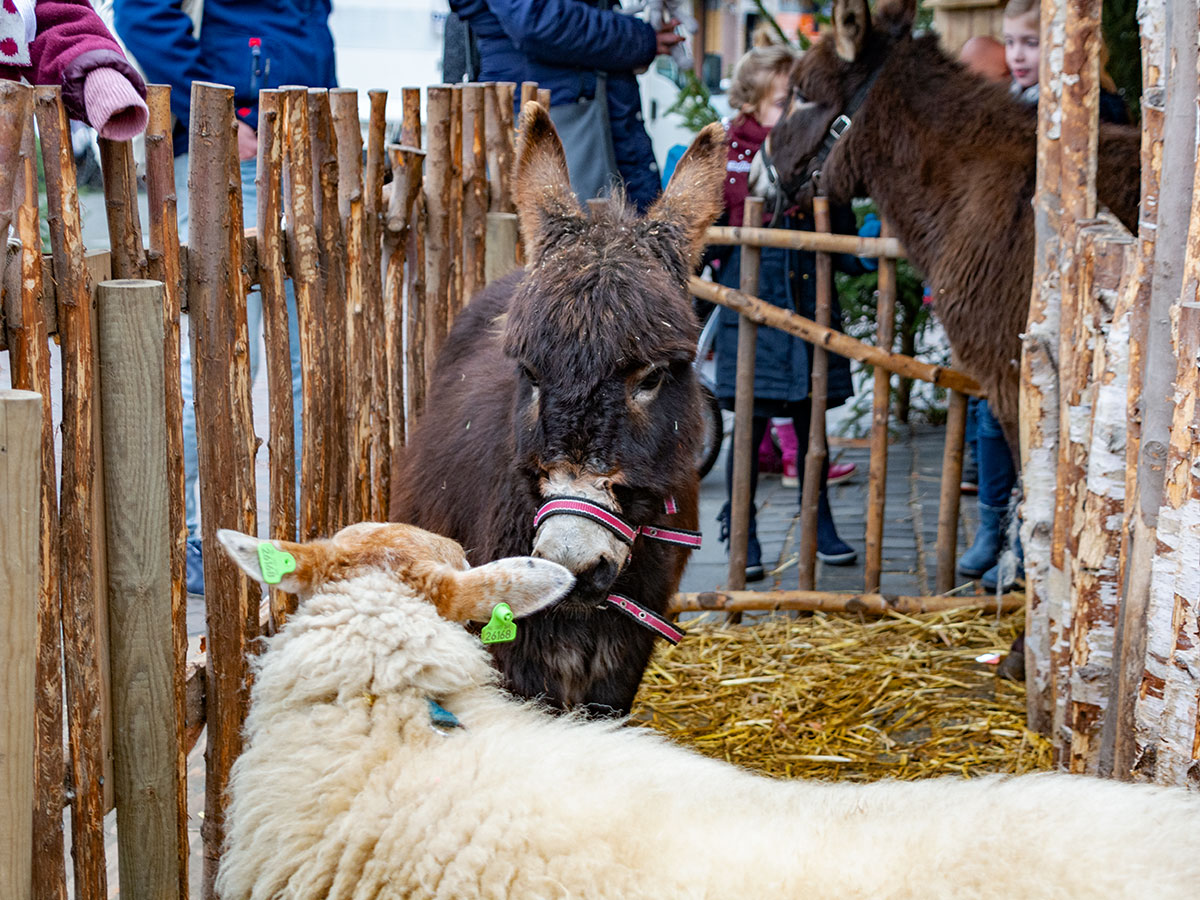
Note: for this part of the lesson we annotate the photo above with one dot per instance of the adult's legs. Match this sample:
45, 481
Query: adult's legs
754, 566
831, 548
997, 475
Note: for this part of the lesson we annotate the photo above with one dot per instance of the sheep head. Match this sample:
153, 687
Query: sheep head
431, 566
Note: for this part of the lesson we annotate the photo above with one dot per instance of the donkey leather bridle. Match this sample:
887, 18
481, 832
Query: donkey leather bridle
681, 537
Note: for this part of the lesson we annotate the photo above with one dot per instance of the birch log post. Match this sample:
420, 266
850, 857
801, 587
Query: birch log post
360, 342
475, 199
1168, 149
376, 318
305, 263
1039, 383
219, 335
131, 388
164, 265
743, 413
84, 631
881, 401
281, 427
1096, 542
29, 357
498, 102
814, 459
20, 486
334, 337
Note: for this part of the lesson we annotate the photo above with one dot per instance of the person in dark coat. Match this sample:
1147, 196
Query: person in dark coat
562, 44
787, 278
65, 43
250, 45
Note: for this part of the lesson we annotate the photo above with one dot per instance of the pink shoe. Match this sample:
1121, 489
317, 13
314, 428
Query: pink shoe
791, 473
840, 472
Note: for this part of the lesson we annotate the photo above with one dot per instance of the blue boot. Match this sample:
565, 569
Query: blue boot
1015, 572
985, 549
754, 566
195, 567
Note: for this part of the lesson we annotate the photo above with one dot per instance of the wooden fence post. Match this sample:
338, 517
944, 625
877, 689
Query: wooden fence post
20, 485
272, 278
376, 315
438, 267
743, 411
951, 491
475, 200
84, 630
503, 243
120, 203
164, 265
498, 100
142, 653
217, 314
415, 299
814, 459
881, 400
454, 179
403, 316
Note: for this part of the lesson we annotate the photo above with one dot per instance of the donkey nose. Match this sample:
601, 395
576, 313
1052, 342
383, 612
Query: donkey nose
598, 577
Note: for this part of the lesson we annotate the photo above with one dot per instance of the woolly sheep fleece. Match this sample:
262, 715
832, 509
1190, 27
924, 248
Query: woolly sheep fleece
346, 790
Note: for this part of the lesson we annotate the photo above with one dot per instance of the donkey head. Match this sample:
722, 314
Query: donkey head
603, 336
828, 84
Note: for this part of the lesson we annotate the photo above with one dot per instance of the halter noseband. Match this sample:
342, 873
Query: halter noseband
681, 537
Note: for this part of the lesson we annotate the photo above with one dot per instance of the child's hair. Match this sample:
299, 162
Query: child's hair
1014, 9
754, 72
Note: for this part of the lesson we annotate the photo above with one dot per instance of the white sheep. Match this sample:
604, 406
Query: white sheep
352, 783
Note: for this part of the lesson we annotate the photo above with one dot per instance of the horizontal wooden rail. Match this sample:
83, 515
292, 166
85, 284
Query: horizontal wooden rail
835, 601
812, 241
763, 313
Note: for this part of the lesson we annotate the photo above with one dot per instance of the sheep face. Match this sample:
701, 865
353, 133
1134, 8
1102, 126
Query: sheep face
430, 566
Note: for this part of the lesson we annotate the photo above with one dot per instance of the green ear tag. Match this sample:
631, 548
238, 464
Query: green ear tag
501, 628
275, 563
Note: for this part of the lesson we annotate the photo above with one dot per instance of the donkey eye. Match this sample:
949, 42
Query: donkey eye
653, 379
528, 374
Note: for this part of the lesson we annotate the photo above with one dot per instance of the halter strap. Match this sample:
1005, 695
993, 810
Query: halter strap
652, 620
578, 506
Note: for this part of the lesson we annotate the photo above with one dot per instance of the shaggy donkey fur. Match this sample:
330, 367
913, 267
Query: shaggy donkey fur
949, 159
346, 789
574, 378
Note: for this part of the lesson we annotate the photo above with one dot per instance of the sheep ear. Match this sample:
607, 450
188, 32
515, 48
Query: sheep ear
694, 197
524, 583
851, 23
280, 564
543, 187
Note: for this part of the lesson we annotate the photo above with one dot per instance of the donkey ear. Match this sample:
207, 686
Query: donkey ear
851, 23
896, 17
543, 187
694, 197
524, 583
282, 564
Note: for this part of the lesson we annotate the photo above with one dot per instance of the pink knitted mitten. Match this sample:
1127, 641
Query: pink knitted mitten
112, 105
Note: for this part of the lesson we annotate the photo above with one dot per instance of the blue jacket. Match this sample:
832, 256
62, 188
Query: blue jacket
560, 44
296, 48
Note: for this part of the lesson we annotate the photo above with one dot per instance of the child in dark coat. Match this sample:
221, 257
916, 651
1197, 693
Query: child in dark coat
787, 278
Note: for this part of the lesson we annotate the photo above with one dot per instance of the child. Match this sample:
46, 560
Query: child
786, 278
65, 43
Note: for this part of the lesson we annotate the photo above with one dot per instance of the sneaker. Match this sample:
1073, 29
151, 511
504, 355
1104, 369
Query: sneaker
195, 567
837, 553
754, 566
791, 473
840, 472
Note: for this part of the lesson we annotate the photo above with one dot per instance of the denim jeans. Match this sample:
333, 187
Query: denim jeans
253, 320
994, 458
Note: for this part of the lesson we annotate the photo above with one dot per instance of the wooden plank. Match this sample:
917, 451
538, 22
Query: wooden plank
475, 200
164, 264
360, 341
20, 586
373, 301
310, 299
281, 435
217, 312
743, 412
834, 601
30, 359
817, 453
120, 205
84, 626
763, 313
142, 653
881, 400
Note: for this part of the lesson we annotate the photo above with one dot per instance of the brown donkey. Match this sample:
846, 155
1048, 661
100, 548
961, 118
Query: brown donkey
563, 418
949, 159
